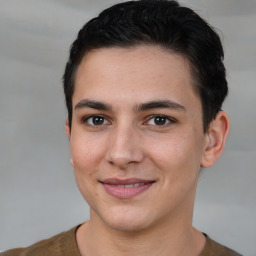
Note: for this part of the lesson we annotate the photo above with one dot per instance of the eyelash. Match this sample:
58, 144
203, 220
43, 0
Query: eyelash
85, 120
167, 119
90, 121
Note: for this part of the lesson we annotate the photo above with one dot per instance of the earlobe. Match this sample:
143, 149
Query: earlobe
215, 139
67, 128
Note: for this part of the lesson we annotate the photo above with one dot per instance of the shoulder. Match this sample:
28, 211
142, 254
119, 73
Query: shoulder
212, 248
54, 246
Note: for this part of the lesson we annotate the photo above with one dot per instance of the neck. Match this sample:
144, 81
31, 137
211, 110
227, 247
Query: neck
175, 237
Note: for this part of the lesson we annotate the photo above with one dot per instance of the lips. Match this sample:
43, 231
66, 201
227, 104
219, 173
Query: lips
126, 188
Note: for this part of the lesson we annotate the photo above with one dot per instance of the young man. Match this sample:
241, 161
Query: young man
144, 86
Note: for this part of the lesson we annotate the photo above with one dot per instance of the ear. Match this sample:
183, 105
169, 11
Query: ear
215, 139
67, 128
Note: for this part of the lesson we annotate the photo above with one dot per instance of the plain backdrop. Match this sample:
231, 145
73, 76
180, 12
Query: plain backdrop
38, 193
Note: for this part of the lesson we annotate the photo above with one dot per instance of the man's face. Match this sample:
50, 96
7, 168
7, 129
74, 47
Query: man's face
137, 138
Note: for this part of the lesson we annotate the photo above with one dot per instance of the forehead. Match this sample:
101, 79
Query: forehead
124, 72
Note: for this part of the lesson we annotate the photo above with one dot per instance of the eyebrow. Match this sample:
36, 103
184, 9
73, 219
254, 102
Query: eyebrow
159, 104
85, 103
92, 104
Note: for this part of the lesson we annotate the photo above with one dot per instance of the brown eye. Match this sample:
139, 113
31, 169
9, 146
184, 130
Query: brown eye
96, 120
160, 120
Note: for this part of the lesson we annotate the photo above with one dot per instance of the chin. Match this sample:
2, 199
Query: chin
126, 226
126, 221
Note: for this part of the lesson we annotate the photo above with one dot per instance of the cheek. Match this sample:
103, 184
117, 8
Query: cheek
86, 153
179, 153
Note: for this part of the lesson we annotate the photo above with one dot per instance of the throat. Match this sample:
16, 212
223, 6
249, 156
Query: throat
117, 243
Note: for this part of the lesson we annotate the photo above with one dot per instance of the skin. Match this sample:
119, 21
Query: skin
130, 142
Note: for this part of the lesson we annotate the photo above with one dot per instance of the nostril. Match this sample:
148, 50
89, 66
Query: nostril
111, 162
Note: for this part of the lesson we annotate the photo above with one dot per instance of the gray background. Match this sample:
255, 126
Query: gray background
38, 194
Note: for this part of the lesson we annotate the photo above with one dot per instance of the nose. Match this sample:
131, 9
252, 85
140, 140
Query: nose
124, 147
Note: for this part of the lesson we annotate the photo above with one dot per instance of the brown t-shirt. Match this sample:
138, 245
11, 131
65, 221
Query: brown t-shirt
65, 244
